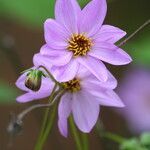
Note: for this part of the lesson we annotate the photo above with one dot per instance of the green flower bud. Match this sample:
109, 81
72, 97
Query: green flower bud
34, 79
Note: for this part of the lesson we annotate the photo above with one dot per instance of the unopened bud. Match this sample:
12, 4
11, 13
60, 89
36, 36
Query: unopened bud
34, 79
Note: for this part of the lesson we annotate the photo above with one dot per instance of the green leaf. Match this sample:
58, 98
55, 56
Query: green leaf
7, 93
132, 144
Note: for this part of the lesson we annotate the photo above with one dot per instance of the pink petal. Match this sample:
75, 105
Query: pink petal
83, 73
55, 34
111, 100
92, 17
40, 60
111, 82
66, 12
67, 72
44, 91
95, 90
110, 53
96, 67
64, 111
57, 58
46, 50
109, 34
20, 83
85, 111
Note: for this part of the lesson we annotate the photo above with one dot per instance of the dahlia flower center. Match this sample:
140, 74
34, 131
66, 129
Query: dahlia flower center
79, 44
72, 85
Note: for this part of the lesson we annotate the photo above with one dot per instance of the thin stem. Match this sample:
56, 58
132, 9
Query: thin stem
75, 134
26, 111
39, 145
134, 33
84, 137
113, 137
46, 115
47, 125
102, 133
50, 75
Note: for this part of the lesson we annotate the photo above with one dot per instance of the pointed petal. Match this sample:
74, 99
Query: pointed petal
64, 110
95, 90
66, 12
96, 67
43, 92
92, 17
85, 111
111, 100
55, 34
109, 34
111, 82
110, 53
67, 72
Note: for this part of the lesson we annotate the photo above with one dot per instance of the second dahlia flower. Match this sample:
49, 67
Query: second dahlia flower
83, 98
84, 95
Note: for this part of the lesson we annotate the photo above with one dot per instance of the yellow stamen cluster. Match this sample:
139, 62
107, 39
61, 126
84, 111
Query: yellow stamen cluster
72, 85
79, 44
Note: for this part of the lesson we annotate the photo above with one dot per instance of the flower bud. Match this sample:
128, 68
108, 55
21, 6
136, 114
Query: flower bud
33, 80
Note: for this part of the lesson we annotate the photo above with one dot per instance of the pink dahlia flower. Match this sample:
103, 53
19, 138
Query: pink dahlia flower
78, 37
135, 92
85, 94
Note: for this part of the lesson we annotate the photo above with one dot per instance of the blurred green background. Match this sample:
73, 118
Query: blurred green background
21, 36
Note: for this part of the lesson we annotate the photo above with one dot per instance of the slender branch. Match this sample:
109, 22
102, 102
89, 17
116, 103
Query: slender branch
44, 136
102, 133
41, 142
84, 138
26, 111
114, 137
75, 134
134, 33
46, 117
50, 75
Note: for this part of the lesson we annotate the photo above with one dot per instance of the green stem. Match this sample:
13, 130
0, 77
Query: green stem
49, 125
84, 137
50, 75
75, 134
113, 137
102, 133
46, 116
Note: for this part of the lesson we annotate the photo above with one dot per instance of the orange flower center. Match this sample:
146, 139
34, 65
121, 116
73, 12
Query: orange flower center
72, 85
79, 44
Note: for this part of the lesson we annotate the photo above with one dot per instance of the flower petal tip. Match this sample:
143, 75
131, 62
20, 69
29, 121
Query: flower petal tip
19, 99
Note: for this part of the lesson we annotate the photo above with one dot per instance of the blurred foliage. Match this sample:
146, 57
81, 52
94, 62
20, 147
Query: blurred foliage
141, 143
29, 11
32, 12
7, 93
